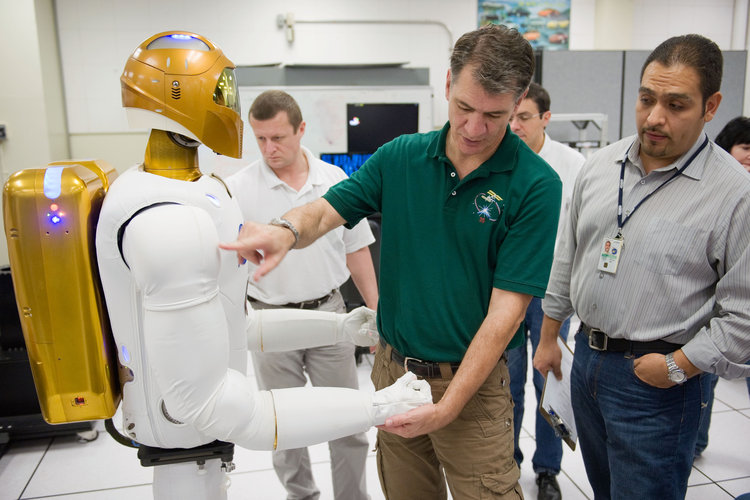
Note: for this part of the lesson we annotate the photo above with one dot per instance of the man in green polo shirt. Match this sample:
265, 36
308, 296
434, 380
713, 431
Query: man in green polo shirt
469, 216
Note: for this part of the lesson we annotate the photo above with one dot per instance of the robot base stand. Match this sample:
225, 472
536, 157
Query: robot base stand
194, 473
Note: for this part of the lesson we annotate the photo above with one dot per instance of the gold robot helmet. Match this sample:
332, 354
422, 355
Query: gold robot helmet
182, 82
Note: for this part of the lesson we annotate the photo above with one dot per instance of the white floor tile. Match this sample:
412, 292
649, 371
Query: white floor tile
719, 406
322, 474
255, 485
18, 464
263, 484
726, 455
737, 487
706, 491
697, 477
143, 492
573, 468
733, 393
70, 466
568, 488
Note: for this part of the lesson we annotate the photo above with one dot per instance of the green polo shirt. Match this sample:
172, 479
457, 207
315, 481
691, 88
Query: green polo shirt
445, 242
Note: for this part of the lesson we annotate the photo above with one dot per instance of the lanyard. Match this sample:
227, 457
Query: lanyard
620, 221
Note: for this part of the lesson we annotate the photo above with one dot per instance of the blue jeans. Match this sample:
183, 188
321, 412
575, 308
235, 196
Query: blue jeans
548, 452
637, 441
708, 384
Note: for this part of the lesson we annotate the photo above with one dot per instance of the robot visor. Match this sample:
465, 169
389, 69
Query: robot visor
225, 93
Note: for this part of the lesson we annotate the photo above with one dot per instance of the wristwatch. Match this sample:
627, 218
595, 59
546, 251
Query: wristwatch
676, 374
281, 222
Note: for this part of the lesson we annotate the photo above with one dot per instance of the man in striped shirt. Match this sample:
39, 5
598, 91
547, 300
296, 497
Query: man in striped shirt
670, 299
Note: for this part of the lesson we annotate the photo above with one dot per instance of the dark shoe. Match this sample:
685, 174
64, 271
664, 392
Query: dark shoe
548, 487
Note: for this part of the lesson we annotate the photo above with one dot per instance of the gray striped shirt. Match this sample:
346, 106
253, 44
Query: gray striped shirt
684, 270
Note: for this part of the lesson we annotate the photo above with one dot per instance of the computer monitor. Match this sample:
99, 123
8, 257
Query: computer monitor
348, 162
369, 126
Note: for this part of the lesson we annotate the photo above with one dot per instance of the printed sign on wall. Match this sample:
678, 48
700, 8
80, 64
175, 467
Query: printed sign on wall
545, 24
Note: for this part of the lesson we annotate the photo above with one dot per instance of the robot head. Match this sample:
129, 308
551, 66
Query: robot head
181, 82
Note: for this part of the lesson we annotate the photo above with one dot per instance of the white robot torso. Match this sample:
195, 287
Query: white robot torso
135, 196
177, 308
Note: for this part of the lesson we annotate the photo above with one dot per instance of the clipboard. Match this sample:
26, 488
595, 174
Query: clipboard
555, 404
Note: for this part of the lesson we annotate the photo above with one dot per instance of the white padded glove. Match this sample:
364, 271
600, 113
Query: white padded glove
403, 395
358, 326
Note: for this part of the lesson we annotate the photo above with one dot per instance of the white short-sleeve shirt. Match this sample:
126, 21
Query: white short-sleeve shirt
307, 273
567, 162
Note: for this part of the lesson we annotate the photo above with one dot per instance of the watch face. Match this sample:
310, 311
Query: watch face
677, 377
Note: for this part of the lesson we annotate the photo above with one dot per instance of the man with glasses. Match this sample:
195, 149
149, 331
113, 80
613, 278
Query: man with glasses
529, 123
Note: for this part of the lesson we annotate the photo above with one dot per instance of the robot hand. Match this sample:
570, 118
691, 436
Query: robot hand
403, 395
358, 327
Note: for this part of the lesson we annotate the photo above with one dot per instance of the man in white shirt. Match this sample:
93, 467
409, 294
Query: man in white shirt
529, 123
288, 176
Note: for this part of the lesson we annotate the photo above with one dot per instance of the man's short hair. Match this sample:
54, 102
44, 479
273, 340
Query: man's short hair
272, 102
539, 95
737, 131
503, 60
695, 51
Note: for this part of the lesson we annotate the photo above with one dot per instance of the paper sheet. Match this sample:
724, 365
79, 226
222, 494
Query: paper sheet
556, 406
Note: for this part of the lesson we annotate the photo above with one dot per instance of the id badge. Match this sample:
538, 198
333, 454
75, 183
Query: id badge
610, 255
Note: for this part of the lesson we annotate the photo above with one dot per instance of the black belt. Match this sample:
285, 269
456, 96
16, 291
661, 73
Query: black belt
305, 304
420, 368
599, 341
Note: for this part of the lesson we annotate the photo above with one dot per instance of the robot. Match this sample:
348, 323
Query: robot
177, 303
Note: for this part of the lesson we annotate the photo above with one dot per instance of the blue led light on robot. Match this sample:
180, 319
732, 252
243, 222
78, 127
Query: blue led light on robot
55, 215
125, 354
178, 36
53, 182
214, 200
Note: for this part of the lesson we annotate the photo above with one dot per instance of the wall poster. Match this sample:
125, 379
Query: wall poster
545, 24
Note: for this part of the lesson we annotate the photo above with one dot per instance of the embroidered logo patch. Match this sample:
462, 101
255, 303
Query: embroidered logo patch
489, 206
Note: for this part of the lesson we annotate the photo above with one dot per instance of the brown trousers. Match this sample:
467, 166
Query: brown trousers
474, 452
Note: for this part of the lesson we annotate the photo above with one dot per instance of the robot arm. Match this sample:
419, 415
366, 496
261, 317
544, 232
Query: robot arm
172, 251
273, 330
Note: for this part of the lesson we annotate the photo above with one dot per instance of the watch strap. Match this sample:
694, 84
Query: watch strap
282, 222
676, 374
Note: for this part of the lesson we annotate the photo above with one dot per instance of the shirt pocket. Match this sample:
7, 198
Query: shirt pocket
669, 248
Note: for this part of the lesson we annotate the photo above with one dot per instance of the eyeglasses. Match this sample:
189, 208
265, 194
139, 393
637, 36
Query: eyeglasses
524, 117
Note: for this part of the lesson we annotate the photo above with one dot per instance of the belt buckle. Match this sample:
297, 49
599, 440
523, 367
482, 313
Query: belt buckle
409, 358
305, 303
598, 340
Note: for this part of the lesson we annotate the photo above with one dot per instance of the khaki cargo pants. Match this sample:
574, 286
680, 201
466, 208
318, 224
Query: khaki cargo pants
474, 452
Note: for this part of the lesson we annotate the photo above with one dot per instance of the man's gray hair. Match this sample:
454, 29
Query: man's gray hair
502, 60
